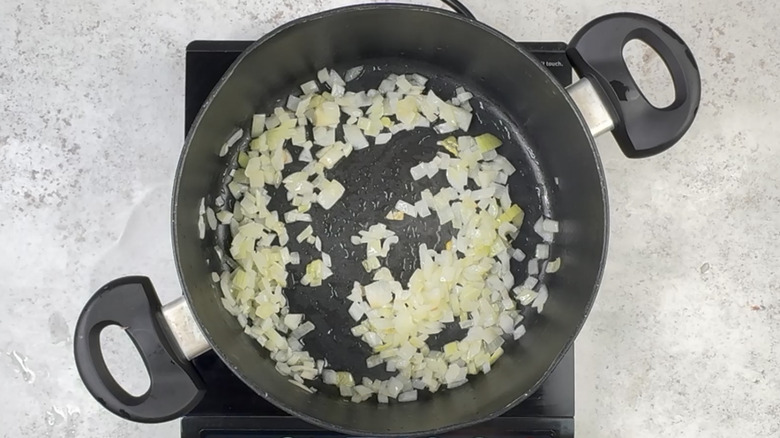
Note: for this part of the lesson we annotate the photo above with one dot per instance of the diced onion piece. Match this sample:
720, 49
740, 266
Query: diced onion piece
518, 332
407, 396
302, 330
373, 361
296, 216
379, 293
354, 136
550, 225
422, 208
331, 191
356, 311
201, 227
541, 299
338, 90
444, 128
335, 79
525, 296
323, 76
211, 218
293, 320
330, 377
258, 125
530, 283
418, 171
292, 102
230, 142
370, 264
542, 251
406, 208
533, 267
324, 136
327, 114
487, 142
395, 215
353, 73
310, 87
553, 266
450, 144
305, 234
539, 229
305, 156
383, 138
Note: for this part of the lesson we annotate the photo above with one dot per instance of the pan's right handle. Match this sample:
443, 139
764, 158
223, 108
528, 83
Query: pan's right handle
132, 303
641, 129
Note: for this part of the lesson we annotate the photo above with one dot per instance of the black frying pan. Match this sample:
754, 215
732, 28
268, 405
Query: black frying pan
548, 134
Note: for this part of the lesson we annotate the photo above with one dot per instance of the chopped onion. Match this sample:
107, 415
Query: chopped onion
487, 142
407, 396
230, 142
324, 136
373, 361
310, 87
302, 330
296, 216
379, 293
356, 311
211, 218
418, 171
526, 296
539, 229
422, 208
553, 266
533, 267
466, 278
542, 251
550, 225
353, 73
292, 321
258, 125
331, 191
395, 215
329, 377
201, 227
323, 76
327, 114
305, 234
518, 332
406, 208
530, 283
354, 136
383, 138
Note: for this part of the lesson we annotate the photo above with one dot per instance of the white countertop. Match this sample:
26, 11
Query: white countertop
684, 339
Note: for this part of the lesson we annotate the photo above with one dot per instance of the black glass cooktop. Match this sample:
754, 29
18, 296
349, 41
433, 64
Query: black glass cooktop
231, 410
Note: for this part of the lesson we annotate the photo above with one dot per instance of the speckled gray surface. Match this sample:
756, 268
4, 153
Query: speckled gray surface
684, 339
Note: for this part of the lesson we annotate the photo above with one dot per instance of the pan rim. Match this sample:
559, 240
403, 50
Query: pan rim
407, 7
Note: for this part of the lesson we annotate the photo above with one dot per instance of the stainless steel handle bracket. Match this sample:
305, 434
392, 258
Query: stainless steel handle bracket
591, 106
185, 329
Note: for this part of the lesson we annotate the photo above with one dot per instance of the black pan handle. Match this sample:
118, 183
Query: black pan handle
641, 129
132, 303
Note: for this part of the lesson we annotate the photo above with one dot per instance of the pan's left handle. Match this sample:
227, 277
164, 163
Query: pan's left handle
132, 303
641, 129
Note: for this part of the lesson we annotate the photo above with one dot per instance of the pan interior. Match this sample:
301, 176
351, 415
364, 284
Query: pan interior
558, 173
375, 179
